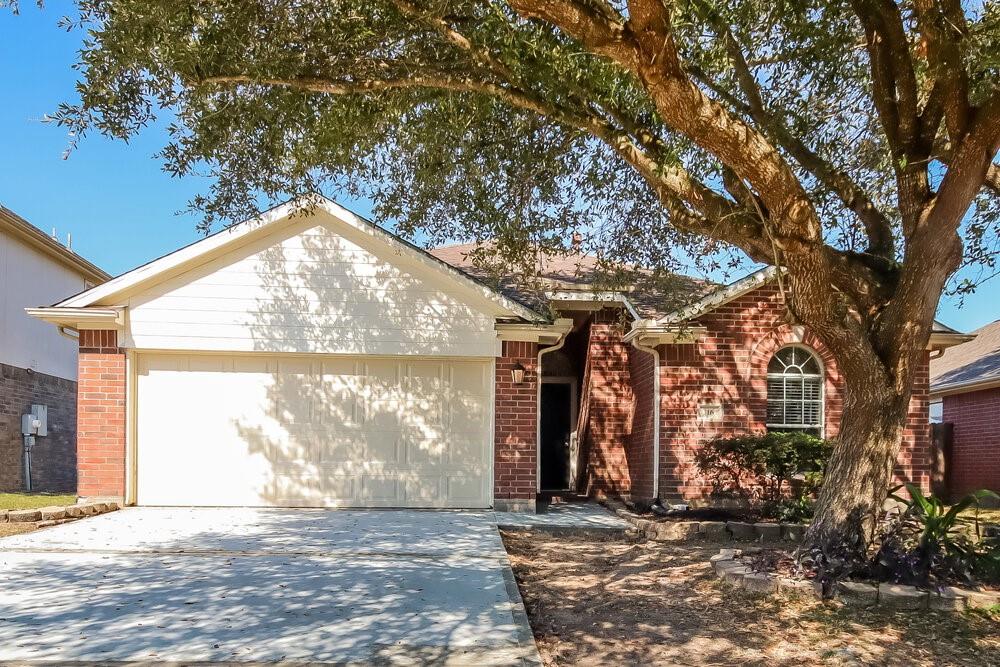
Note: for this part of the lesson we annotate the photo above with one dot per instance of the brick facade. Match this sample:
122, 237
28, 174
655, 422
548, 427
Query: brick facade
101, 416
639, 444
606, 420
53, 458
975, 453
515, 429
728, 367
914, 462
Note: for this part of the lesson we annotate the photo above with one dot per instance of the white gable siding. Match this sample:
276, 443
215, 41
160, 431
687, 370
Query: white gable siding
29, 278
308, 289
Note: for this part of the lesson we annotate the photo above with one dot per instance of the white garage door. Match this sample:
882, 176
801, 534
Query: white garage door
331, 431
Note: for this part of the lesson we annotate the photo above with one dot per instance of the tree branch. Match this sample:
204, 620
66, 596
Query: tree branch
877, 226
673, 184
942, 25
895, 95
934, 250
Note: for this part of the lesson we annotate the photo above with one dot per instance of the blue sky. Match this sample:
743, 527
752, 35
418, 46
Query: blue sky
120, 207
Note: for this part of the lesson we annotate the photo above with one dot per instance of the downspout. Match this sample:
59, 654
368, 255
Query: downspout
65, 331
656, 412
538, 411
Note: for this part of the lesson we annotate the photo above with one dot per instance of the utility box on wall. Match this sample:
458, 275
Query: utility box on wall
37, 423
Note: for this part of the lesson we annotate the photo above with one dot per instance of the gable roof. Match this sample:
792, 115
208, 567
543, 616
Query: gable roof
26, 232
231, 237
969, 366
942, 336
720, 297
577, 276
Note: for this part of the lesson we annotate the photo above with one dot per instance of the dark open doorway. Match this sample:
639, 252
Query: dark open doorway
557, 422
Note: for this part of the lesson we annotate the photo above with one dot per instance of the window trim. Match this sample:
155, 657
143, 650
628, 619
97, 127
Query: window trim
821, 426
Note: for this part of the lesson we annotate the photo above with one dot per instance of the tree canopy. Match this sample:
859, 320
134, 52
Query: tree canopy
487, 120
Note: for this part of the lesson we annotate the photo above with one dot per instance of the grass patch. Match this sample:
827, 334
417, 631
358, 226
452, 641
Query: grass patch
28, 501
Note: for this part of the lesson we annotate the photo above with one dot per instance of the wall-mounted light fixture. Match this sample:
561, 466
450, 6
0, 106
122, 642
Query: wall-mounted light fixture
517, 373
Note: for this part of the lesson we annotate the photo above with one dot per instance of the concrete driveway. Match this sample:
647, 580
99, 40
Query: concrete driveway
256, 585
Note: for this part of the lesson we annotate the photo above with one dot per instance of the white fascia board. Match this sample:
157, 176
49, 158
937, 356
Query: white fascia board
546, 334
937, 341
79, 318
233, 235
941, 341
584, 300
721, 297
649, 333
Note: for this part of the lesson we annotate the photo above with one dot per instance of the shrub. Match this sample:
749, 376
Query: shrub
926, 545
777, 471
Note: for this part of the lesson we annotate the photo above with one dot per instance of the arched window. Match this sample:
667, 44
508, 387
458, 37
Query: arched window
795, 391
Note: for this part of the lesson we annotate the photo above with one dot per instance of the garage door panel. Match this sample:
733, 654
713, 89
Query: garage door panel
465, 487
338, 447
379, 490
380, 447
231, 430
429, 451
423, 489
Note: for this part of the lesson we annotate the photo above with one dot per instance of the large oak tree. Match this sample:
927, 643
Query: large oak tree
843, 140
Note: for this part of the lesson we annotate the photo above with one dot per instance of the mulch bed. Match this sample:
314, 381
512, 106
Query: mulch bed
625, 601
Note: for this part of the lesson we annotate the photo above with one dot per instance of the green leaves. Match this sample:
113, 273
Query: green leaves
467, 164
927, 544
937, 520
765, 468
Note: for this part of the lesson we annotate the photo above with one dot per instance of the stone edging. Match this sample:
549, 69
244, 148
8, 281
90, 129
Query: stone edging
715, 531
50, 516
891, 596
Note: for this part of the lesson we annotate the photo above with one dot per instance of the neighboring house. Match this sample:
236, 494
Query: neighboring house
965, 393
318, 360
37, 364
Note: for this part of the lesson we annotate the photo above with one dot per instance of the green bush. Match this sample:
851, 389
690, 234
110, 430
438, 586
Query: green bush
777, 472
925, 543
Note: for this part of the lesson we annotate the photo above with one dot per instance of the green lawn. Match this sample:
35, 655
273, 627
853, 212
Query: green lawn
27, 501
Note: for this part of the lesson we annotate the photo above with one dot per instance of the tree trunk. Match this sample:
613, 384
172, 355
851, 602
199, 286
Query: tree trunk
859, 474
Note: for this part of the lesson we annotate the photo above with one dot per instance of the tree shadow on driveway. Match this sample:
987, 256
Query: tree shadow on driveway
220, 594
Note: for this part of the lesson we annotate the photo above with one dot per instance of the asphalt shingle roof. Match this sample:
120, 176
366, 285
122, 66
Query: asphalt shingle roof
652, 297
974, 362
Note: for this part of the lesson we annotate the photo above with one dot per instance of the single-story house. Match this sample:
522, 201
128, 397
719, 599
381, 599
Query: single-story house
965, 394
37, 362
315, 359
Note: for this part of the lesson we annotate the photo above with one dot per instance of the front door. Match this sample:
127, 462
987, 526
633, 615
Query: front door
555, 433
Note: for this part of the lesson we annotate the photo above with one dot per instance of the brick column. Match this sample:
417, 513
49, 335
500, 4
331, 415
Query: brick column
914, 462
516, 413
100, 445
609, 409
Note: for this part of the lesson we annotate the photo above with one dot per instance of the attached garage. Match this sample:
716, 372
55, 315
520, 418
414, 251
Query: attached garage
349, 431
304, 359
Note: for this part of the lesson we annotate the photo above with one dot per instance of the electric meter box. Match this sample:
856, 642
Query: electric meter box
37, 423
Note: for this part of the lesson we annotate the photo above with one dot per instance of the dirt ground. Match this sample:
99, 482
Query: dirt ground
619, 601
16, 528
